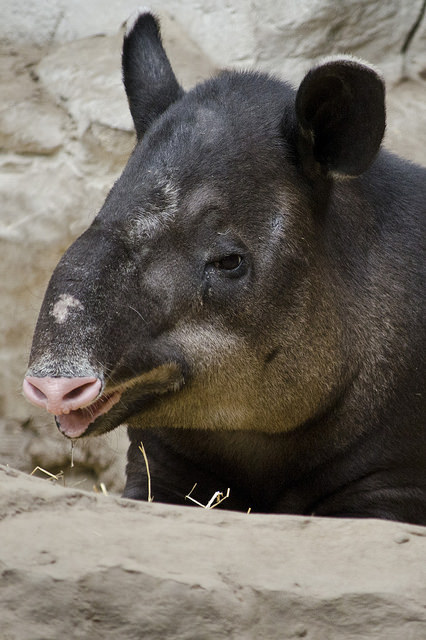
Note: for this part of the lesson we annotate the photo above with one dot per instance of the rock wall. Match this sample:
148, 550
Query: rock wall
77, 565
65, 134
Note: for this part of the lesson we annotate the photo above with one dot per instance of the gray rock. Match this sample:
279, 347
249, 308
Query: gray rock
41, 127
80, 565
406, 115
300, 33
84, 78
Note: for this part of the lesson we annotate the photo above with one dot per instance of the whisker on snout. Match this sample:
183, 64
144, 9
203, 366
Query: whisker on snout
139, 314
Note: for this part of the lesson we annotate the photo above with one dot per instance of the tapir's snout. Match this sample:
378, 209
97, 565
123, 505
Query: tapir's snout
61, 395
76, 402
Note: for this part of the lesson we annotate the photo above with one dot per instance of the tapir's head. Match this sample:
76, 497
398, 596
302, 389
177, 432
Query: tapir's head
201, 296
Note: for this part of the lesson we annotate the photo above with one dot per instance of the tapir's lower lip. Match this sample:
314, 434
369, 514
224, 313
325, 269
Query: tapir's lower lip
137, 393
75, 423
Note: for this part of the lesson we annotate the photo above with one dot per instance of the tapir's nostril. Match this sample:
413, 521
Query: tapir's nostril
61, 395
36, 393
79, 391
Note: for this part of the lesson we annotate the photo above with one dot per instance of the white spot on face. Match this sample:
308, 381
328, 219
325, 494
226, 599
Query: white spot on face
152, 219
62, 307
146, 226
203, 198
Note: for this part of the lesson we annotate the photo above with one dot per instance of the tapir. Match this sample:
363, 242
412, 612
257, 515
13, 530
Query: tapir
249, 300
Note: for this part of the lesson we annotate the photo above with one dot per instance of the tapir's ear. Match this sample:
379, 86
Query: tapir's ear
150, 83
340, 107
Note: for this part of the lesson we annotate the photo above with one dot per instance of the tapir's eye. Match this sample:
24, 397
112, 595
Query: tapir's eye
229, 263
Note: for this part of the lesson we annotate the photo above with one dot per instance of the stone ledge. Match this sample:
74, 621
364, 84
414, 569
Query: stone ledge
76, 564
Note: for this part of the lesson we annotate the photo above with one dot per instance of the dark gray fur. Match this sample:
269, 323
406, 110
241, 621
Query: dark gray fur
259, 241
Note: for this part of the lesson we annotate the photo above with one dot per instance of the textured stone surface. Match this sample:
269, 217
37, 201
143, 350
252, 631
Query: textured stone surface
78, 565
65, 134
274, 35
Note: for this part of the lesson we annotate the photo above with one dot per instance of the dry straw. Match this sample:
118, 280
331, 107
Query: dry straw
142, 449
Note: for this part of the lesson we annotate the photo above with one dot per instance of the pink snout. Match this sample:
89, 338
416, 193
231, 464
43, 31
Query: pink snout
61, 395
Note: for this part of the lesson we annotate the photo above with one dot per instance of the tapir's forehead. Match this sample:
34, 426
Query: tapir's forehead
218, 145
188, 210
234, 118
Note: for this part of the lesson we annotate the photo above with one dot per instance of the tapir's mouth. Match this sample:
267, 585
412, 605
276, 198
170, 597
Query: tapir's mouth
134, 394
75, 423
